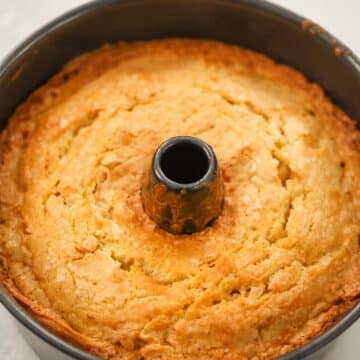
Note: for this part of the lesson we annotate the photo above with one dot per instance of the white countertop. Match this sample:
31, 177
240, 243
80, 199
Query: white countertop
18, 18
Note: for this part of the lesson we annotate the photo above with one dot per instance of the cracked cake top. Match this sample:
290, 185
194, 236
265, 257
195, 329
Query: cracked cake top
278, 266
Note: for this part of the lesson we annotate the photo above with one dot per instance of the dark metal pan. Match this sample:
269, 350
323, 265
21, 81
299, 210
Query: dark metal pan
255, 24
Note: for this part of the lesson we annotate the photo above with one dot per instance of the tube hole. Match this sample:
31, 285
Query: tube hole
184, 162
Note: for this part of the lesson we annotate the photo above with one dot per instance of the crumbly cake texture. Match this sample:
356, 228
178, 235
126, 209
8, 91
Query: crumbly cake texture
280, 264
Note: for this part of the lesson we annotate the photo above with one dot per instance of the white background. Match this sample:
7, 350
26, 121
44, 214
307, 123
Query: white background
18, 18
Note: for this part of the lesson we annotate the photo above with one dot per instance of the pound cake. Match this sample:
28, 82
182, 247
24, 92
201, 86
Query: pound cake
279, 265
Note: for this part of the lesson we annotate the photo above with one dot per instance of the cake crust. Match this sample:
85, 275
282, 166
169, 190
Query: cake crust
279, 266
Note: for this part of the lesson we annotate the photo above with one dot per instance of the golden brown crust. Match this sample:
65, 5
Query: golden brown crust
278, 267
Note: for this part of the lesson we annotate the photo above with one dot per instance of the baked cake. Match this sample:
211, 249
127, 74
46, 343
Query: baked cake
278, 267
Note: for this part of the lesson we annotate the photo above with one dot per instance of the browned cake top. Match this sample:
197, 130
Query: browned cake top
278, 266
